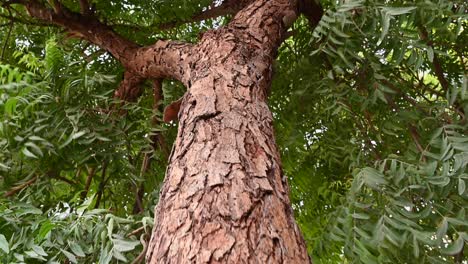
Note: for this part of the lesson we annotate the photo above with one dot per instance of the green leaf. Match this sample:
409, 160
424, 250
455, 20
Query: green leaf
46, 227
70, 256
102, 138
36, 148
4, 167
28, 210
76, 248
78, 134
36, 138
19, 257
34, 255
105, 257
118, 255
110, 227
360, 216
80, 210
29, 154
68, 141
4, 244
39, 250
415, 247
372, 177
124, 245
457, 222
385, 26
430, 54
461, 186
439, 181
442, 230
10, 105
395, 11
454, 248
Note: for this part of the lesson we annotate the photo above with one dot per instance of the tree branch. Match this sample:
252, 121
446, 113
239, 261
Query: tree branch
263, 19
102, 184
156, 140
20, 187
415, 136
89, 179
164, 59
88, 28
312, 10
130, 87
84, 7
7, 39
435, 61
141, 257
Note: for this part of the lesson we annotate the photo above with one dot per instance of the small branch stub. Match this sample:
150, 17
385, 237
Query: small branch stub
171, 111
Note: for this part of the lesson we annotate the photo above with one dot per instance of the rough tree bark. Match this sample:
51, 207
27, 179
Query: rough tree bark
225, 197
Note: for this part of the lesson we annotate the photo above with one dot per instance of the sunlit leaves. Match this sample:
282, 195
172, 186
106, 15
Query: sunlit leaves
59, 232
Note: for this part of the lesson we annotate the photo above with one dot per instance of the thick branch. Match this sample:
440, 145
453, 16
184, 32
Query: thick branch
161, 60
130, 87
267, 21
165, 59
87, 27
21, 20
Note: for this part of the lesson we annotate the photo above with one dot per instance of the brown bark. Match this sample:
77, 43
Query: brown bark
225, 198
89, 180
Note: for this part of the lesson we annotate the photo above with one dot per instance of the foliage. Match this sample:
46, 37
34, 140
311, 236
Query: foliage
58, 131
370, 117
67, 232
374, 144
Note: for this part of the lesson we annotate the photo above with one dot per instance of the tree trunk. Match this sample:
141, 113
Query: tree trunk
225, 197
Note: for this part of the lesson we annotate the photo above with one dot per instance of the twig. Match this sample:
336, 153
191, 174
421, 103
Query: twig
415, 136
156, 140
58, 177
102, 184
20, 187
136, 231
7, 39
435, 62
89, 179
141, 257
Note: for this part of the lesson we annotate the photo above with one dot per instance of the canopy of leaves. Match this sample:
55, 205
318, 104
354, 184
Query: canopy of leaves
370, 116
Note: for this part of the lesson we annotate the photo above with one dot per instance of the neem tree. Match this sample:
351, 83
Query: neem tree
369, 100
